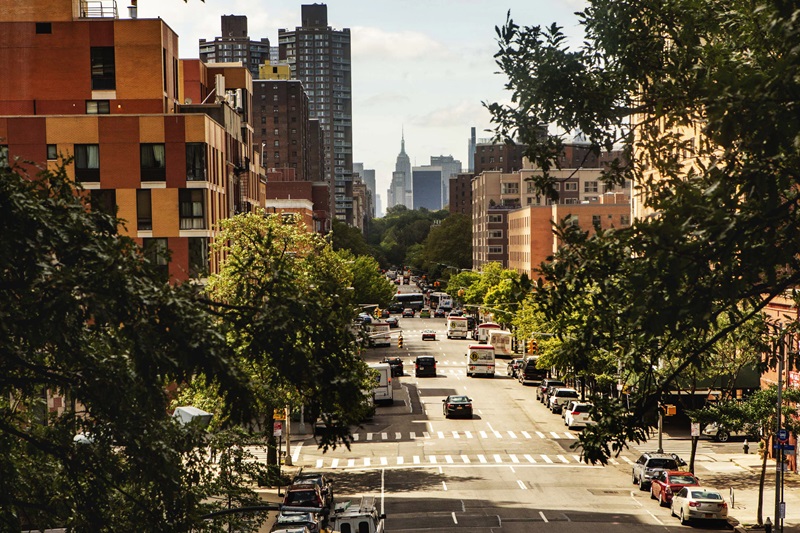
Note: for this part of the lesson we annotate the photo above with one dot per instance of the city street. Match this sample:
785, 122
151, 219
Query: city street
510, 468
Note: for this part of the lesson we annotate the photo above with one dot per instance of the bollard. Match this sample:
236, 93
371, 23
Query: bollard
768, 526
746, 447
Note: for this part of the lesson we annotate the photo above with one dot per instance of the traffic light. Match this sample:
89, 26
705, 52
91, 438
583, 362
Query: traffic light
530, 346
377, 312
534, 346
400, 341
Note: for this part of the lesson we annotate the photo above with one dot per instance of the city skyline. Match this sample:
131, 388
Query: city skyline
418, 68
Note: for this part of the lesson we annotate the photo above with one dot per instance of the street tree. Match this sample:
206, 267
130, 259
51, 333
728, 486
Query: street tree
449, 243
285, 301
369, 285
698, 92
90, 339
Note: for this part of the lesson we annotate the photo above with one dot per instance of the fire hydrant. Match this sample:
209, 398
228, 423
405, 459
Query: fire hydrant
768, 526
746, 447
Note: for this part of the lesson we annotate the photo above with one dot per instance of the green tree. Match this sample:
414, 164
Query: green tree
85, 319
286, 305
449, 243
369, 285
345, 237
651, 74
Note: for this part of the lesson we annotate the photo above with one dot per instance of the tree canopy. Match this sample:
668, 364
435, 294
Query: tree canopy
698, 91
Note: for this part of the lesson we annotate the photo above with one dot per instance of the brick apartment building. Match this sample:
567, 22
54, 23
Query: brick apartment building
169, 142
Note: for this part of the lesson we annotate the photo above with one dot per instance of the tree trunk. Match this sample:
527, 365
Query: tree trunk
759, 514
694, 451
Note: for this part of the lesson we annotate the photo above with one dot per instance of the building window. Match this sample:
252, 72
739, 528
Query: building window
44, 27
276, 142
570, 201
596, 220
277, 131
571, 186
625, 220
52, 152
97, 107
198, 257
87, 162
590, 186
153, 161
157, 253
196, 162
103, 70
496, 234
4, 156
495, 218
495, 249
509, 188
192, 208
144, 209
104, 201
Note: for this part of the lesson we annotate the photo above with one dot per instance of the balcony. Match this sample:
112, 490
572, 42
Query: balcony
106, 9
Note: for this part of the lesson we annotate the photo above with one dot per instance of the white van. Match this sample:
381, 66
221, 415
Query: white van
501, 340
382, 392
379, 333
482, 331
480, 360
457, 327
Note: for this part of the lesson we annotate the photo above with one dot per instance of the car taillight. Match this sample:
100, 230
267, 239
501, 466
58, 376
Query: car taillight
723, 505
573, 413
694, 504
468, 405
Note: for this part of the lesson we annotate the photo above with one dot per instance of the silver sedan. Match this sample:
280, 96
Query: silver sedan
699, 503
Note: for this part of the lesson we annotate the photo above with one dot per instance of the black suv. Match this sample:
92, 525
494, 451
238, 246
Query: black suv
396, 364
528, 373
425, 365
547, 382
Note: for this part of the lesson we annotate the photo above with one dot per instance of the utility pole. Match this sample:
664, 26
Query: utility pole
780, 505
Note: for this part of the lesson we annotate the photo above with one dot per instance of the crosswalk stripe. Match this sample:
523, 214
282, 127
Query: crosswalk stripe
529, 458
482, 459
440, 434
613, 461
355, 436
555, 435
334, 463
526, 434
384, 436
577, 458
413, 435
400, 460
426, 435
513, 458
432, 459
483, 434
367, 461
498, 434
319, 463
351, 463
512, 435
626, 460
456, 435
468, 434
465, 459
562, 458
399, 436
497, 458
546, 459
569, 435
416, 459
448, 459
541, 435
384, 461
369, 436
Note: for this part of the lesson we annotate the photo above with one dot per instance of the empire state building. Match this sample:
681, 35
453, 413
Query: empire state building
401, 191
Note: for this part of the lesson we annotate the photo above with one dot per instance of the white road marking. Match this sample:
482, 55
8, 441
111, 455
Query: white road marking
296, 452
529, 458
416, 459
613, 461
546, 459
369, 436
483, 434
468, 434
351, 463
412, 435
367, 461
555, 435
444, 485
544, 518
335, 463
355, 436
497, 458
481, 458
540, 434
626, 460
570, 435
319, 463
455, 520
426, 435
498, 434
384, 436
562, 458
440, 434
465, 459
456, 435
432, 459
526, 434
512, 435
398, 436
384, 461
448, 459
577, 458
400, 460
513, 458
521, 484
656, 518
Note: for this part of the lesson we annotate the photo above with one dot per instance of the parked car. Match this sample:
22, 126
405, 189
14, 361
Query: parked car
560, 397
425, 365
295, 521
699, 503
577, 415
319, 480
365, 318
456, 312
393, 322
304, 495
425, 313
385, 313
408, 313
440, 313
396, 365
457, 406
722, 434
650, 464
566, 407
547, 382
551, 389
529, 373
428, 334
665, 484
513, 367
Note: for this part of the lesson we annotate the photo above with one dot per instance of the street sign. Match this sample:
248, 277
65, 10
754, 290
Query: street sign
277, 429
279, 414
784, 447
783, 434
695, 429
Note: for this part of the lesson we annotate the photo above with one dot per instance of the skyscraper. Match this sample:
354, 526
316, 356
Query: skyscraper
471, 150
450, 167
235, 45
403, 165
319, 56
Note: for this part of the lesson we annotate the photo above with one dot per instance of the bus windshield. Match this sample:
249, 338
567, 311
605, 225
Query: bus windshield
414, 300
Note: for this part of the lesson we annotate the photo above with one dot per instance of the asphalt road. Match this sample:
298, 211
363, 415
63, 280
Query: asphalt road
511, 468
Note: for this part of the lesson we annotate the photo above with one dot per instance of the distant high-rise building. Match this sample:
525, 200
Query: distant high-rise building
471, 150
397, 189
403, 165
378, 206
427, 187
450, 167
234, 45
319, 56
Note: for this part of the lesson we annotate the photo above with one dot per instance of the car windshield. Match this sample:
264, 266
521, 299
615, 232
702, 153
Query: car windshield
294, 518
568, 394
302, 498
705, 495
459, 399
683, 480
664, 464
425, 360
582, 408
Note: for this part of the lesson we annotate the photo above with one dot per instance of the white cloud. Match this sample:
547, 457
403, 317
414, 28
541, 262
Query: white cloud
457, 114
374, 43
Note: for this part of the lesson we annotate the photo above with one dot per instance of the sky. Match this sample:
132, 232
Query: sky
422, 67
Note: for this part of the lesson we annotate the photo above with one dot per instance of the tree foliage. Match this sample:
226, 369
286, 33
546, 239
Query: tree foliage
699, 92
85, 319
449, 243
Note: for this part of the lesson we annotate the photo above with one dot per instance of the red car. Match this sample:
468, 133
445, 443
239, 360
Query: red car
669, 482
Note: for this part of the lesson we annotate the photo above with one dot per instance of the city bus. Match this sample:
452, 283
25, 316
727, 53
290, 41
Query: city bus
441, 299
411, 300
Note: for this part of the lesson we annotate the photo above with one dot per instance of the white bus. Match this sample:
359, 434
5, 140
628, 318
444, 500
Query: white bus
501, 340
480, 360
457, 327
